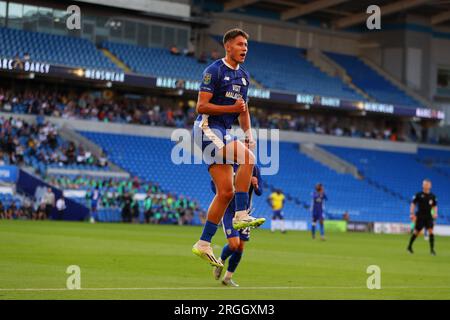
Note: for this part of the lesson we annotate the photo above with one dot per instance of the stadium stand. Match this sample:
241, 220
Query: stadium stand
11, 207
437, 160
150, 165
163, 63
363, 201
53, 49
165, 207
370, 204
371, 82
151, 111
40, 146
267, 65
399, 174
155, 113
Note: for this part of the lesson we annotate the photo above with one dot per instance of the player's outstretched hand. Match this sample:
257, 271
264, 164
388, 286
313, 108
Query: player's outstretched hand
240, 106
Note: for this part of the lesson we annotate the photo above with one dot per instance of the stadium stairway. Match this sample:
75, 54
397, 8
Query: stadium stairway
330, 67
68, 133
328, 159
371, 82
119, 63
397, 83
299, 76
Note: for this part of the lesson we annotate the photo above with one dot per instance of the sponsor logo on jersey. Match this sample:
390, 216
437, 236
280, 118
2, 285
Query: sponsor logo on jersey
244, 82
207, 78
234, 95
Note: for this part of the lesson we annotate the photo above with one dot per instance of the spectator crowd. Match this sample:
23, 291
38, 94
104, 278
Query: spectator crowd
27, 209
158, 206
25, 143
181, 113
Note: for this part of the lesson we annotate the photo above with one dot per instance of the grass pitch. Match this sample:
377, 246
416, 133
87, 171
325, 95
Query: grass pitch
121, 261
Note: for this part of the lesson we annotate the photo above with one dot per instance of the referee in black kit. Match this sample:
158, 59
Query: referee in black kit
426, 211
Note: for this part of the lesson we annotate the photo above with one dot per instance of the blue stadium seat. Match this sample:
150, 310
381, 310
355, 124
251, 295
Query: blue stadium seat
53, 49
402, 174
363, 199
371, 82
266, 64
156, 61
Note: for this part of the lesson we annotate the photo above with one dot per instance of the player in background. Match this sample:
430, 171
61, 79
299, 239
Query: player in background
221, 100
95, 199
317, 206
236, 238
276, 201
426, 203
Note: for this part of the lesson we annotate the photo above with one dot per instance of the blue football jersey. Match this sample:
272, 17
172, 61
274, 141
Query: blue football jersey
227, 85
318, 202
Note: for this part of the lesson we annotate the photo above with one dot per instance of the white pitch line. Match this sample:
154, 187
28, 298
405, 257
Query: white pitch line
210, 288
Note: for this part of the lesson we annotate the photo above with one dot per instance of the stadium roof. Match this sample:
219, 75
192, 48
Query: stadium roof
342, 14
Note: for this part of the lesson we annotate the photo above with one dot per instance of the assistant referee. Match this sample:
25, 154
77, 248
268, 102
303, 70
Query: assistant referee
426, 204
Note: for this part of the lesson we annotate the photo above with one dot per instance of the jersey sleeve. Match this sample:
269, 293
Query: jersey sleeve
209, 79
435, 201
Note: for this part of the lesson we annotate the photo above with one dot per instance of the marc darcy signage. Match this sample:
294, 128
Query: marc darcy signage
27, 66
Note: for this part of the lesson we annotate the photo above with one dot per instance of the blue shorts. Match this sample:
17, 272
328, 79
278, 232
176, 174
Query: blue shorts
210, 140
277, 215
317, 217
227, 224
